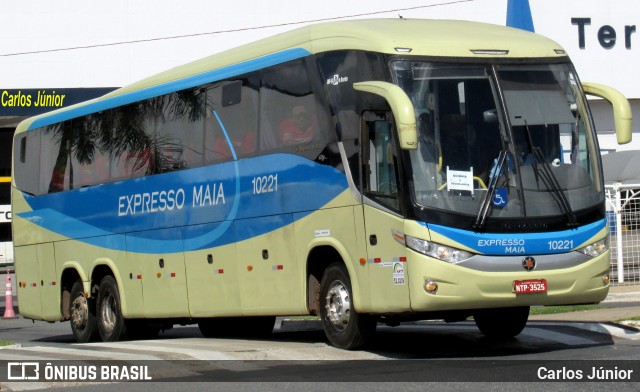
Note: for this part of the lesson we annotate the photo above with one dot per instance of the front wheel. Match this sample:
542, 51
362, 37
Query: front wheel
344, 327
501, 323
111, 324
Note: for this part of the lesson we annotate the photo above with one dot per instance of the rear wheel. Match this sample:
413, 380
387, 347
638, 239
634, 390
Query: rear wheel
344, 327
111, 324
501, 323
83, 314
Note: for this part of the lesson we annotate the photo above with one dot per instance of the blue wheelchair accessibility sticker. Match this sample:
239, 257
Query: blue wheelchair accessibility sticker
500, 199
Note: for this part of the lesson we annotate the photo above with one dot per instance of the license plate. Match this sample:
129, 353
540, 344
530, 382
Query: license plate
530, 286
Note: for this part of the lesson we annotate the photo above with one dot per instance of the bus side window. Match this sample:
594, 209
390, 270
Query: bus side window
178, 130
55, 166
382, 175
231, 117
89, 161
288, 112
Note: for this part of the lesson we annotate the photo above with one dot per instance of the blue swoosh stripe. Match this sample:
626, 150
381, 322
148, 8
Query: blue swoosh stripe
520, 243
107, 211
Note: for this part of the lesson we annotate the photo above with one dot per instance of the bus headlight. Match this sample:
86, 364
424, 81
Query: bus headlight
438, 251
597, 248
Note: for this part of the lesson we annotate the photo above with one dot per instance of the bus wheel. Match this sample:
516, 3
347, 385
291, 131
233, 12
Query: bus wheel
111, 324
502, 323
83, 314
342, 325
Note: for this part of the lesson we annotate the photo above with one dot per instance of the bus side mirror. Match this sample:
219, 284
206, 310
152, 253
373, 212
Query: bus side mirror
401, 107
621, 109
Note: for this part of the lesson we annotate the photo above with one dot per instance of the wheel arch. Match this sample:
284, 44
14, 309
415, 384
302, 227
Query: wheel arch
103, 267
71, 272
321, 255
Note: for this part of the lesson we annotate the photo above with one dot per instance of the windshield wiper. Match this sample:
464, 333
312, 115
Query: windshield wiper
550, 180
485, 206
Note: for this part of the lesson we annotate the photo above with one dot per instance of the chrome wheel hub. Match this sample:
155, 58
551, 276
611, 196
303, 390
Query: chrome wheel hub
338, 305
79, 312
108, 312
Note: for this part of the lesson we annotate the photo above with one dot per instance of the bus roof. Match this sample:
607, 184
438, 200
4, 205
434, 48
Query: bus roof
423, 37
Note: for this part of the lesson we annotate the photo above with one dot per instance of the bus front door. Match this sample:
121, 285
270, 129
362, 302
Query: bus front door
386, 253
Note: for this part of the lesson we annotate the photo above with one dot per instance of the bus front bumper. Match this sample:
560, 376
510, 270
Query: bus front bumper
458, 287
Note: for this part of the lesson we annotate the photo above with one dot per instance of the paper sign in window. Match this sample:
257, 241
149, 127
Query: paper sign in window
458, 180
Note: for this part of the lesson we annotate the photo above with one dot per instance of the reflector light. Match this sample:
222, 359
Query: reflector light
430, 286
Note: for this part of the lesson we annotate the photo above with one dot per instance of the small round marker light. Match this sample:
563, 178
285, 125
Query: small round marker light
430, 286
605, 279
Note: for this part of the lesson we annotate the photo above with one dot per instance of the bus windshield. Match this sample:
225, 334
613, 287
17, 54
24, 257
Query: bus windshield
501, 142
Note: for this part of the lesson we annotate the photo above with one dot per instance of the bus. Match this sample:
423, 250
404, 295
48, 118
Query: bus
364, 171
6, 247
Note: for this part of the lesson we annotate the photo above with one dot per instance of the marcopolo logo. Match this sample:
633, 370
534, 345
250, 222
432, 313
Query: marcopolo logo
337, 79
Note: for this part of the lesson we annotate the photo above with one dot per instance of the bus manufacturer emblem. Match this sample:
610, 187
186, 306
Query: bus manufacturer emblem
529, 263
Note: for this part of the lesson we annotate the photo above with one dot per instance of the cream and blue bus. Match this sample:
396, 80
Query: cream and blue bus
366, 171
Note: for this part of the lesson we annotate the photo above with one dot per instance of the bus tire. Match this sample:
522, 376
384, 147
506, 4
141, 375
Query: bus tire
82, 312
344, 327
501, 323
111, 324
